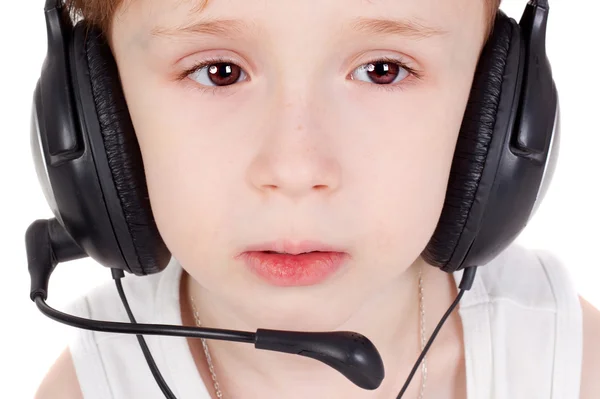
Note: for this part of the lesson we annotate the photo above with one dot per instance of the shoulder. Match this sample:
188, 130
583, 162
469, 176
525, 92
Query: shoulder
564, 291
527, 278
88, 366
146, 296
590, 376
61, 380
544, 280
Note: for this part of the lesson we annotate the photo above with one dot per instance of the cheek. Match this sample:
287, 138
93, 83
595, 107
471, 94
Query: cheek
403, 171
402, 207
186, 169
191, 198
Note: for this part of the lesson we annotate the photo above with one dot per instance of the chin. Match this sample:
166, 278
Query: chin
321, 307
326, 318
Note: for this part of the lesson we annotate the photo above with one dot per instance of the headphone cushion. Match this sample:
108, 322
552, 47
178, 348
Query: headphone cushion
472, 148
123, 153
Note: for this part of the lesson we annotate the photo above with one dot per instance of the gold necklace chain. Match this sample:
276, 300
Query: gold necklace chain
213, 374
423, 338
211, 367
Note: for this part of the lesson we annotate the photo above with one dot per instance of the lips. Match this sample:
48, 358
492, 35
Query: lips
287, 263
293, 247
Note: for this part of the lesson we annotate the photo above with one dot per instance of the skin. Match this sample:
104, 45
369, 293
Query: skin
303, 148
298, 162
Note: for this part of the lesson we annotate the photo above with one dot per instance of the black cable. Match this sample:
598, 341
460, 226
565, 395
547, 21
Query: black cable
465, 285
327, 347
117, 275
424, 352
350, 353
143, 329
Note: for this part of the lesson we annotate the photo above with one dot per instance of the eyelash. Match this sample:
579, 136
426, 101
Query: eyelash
412, 73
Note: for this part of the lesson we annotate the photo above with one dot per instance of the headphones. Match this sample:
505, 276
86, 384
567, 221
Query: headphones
91, 171
90, 167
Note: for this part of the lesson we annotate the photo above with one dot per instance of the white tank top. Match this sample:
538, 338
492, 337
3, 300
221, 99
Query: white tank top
521, 320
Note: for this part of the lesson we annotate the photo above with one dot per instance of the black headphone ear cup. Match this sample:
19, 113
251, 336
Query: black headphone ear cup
123, 154
472, 148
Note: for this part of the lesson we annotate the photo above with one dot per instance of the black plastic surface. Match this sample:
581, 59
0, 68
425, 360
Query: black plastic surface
65, 140
350, 353
74, 180
540, 96
517, 182
47, 243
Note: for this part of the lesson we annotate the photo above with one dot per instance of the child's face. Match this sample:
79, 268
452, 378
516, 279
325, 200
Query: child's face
304, 145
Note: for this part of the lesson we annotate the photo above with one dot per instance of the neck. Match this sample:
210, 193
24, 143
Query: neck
391, 319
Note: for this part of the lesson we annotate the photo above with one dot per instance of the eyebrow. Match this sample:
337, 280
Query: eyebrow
233, 28
228, 28
402, 27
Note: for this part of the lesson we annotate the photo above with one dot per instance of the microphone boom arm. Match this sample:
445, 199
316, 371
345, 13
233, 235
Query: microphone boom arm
352, 354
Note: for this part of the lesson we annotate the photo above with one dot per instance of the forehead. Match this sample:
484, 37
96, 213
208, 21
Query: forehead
146, 16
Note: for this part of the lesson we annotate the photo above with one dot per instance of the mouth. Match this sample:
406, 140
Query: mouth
289, 264
293, 253
289, 247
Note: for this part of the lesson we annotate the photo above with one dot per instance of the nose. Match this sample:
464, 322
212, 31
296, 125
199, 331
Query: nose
296, 157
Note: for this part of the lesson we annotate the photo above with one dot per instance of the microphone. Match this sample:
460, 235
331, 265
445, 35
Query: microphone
350, 353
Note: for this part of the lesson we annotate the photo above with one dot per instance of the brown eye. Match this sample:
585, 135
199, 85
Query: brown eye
380, 72
218, 74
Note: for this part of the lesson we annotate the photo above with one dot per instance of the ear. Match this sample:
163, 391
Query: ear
590, 383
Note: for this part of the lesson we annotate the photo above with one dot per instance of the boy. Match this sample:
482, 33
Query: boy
299, 126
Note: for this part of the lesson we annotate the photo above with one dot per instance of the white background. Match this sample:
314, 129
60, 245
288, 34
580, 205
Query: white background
567, 222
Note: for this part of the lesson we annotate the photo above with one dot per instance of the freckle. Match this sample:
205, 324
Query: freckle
299, 127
